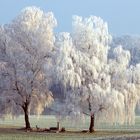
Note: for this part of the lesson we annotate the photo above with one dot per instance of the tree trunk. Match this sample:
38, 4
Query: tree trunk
26, 117
91, 128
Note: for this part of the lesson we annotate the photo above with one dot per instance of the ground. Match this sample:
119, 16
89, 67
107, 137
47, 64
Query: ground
10, 130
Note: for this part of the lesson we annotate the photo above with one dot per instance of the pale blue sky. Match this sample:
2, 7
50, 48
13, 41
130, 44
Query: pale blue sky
123, 16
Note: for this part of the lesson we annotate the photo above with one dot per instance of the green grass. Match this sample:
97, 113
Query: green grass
9, 130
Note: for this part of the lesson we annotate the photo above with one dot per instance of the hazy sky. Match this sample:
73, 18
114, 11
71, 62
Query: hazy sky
123, 16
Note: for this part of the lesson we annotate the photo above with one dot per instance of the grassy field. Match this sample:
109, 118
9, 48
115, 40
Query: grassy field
9, 130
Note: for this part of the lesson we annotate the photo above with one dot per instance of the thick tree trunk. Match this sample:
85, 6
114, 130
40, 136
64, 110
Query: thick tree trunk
91, 128
27, 123
26, 117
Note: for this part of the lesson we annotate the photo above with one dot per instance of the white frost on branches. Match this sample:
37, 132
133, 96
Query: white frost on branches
32, 57
93, 84
28, 47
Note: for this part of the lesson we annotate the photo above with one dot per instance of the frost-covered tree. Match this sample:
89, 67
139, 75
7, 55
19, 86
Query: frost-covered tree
134, 77
128, 42
120, 81
82, 68
28, 50
105, 89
